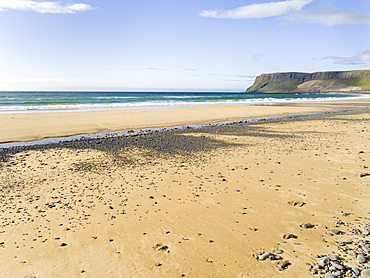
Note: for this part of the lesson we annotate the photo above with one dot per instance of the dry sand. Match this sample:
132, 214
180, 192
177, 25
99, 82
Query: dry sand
190, 203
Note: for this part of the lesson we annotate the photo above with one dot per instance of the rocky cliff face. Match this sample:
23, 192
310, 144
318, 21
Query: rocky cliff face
319, 82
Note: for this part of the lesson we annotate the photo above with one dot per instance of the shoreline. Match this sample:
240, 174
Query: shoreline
144, 131
27, 127
36, 126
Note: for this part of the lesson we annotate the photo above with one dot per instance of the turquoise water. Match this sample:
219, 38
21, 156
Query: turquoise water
88, 101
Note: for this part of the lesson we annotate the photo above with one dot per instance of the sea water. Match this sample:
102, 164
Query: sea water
28, 102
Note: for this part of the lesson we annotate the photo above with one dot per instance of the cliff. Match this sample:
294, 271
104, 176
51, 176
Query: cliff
318, 82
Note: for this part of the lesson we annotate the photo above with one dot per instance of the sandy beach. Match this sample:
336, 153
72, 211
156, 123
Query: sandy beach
22, 127
207, 202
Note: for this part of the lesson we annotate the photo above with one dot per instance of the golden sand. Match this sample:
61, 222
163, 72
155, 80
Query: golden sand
207, 214
34, 126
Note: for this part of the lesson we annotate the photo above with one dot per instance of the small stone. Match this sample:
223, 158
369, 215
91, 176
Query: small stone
307, 225
338, 266
299, 204
366, 248
264, 256
366, 273
357, 271
284, 264
158, 264
63, 244
329, 275
289, 236
279, 252
314, 271
335, 258
211, 241
337, 232
361, 259
162, 248
361, 175
324, 261
365, 232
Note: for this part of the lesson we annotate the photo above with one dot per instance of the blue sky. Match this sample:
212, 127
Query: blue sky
151, 45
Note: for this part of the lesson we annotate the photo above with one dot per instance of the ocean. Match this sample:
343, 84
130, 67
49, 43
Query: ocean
28, 102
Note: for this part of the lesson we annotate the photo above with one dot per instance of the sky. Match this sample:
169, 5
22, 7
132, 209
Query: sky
183, 45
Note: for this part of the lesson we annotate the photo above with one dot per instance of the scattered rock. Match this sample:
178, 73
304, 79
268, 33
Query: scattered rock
357, 271
366, 248
283, 264
264, 256
361, 175
361, 259
335, 258
337, 232
307, 225
162, 248
337, 266
366, 273
324, 261
289, 236
297, 203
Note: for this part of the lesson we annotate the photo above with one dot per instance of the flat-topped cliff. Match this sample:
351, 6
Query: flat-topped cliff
318, 82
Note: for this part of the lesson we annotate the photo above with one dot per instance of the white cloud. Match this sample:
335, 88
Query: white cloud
39, 79
258, 10
331, 16
292, 10
358, 59
43, 7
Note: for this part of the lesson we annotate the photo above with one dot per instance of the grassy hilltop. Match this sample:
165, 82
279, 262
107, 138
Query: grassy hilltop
318, 82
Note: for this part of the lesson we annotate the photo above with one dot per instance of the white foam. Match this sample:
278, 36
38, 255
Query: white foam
166, 104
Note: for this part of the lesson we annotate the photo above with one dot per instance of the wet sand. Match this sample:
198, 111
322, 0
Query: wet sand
205, 202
